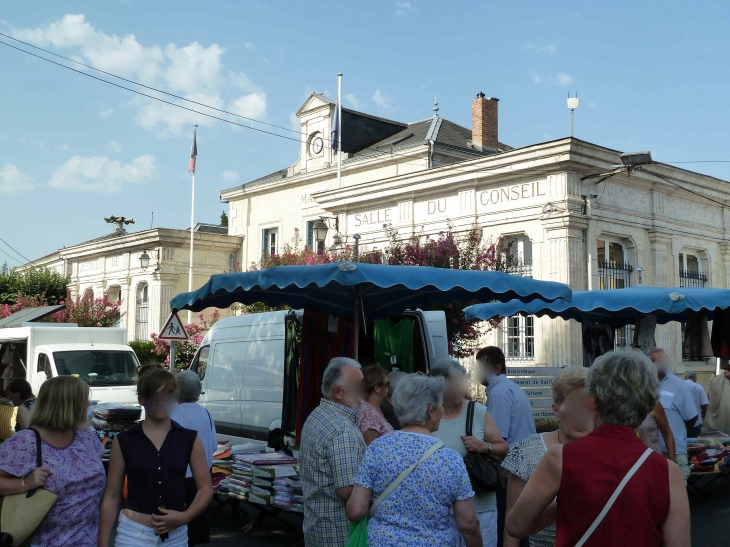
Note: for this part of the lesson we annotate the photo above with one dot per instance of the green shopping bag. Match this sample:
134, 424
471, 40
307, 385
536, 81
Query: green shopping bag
358, 536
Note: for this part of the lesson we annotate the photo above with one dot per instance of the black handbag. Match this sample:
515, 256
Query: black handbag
486, 475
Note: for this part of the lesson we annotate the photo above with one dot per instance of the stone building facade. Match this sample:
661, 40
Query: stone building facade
623, 231
111, 264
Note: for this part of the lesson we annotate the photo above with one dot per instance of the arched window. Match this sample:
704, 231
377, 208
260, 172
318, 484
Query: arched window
143, 305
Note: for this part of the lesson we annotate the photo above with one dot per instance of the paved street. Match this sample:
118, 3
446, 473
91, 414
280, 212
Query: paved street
710, 524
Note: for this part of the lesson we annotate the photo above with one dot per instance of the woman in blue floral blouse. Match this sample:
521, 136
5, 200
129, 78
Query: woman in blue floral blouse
417, 511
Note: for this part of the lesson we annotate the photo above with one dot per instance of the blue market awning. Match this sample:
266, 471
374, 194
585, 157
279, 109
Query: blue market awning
617, 307
383, 290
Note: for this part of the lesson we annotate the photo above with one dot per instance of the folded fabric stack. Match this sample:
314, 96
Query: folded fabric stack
108, 419
260, 475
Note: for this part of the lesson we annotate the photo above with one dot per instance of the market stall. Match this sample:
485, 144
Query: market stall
340, 305
601, 312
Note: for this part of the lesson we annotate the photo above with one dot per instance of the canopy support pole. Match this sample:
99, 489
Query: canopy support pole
357, 327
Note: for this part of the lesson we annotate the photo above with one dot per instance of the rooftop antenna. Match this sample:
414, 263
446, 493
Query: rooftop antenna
152, 222
572, 104
435, 105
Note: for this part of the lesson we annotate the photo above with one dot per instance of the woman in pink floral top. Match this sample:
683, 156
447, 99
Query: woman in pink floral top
371, 421
72, 466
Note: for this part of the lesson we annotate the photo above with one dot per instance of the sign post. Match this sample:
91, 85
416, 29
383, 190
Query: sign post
172, 332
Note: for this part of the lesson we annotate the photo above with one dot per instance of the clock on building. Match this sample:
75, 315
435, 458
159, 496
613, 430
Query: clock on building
316, 145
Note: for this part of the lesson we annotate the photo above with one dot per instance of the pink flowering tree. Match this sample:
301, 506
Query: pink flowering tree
185, 351
85, 310
448, 249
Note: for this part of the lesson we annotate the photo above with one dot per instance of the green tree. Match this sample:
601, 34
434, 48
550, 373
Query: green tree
224, 219
32, 282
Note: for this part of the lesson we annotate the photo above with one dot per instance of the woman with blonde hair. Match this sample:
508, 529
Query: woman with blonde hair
72, 467
570, 406
371, 420
155, 454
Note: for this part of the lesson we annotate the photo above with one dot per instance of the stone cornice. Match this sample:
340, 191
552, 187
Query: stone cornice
537, 160
157, 237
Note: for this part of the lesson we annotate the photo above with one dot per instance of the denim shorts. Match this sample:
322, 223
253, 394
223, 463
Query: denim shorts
133, 534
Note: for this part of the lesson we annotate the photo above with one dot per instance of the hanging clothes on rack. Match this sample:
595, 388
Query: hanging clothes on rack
293, 332
598, 338
322, 340
721, 334
696, 345
394, 344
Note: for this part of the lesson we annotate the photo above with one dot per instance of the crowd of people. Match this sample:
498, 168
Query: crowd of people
159, 469
410, 452
425, 465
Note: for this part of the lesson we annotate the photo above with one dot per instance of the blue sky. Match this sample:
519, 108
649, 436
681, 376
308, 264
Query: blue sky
650, 75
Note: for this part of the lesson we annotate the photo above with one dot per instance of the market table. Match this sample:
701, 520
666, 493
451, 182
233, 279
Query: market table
263, 512
712, 440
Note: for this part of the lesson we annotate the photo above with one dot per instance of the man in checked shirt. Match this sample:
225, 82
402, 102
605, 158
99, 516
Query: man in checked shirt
332, 449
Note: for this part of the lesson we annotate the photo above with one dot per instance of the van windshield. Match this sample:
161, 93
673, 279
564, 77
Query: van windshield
98, 367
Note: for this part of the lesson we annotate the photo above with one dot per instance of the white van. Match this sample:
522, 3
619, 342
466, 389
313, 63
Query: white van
241, 364
97, 355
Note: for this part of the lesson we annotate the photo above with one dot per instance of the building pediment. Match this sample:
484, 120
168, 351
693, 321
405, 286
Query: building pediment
314, 102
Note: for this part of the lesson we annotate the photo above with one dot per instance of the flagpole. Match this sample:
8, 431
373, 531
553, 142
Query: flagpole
339, 130
192, 230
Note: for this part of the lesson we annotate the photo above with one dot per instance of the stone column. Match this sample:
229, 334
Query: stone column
161, 292
661, 275
568, 263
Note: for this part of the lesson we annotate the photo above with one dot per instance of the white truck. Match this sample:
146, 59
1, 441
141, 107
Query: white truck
97, 355
241, 365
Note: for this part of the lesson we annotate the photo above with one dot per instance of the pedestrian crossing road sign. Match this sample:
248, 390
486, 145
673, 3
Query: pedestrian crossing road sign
173, 329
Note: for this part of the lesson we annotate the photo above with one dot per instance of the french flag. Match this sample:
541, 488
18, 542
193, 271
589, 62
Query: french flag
193, 151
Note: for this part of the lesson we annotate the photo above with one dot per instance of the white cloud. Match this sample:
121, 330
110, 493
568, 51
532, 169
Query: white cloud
101, 174
115, 147
13, 179
565, 79
194, 71
549, 49
537, 78
230, 177
352, 101
403, 8
252, 105
64, 148
249, 46
592, 104
381, 99
294, 122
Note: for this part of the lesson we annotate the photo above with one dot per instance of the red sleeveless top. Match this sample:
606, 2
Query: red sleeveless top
592, 469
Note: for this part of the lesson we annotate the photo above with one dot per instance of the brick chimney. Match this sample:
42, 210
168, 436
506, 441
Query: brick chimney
485, 122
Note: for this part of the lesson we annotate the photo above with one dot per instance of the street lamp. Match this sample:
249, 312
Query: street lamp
633, 159
640, 273
144, 259
320, 231
572, 104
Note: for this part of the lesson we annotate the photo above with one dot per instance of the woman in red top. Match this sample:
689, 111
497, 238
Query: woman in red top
652, 509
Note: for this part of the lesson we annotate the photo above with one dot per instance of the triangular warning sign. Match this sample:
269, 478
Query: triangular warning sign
173, 329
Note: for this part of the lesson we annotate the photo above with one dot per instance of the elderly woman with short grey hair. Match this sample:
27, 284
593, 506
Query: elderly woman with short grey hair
190, 415
609, 486
484, 438
417, 511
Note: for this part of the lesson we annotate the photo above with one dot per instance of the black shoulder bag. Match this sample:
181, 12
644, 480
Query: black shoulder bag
486, 475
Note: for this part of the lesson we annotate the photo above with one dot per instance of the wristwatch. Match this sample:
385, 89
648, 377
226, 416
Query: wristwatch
489, 448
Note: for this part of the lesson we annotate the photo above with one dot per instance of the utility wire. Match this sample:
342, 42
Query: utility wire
670, 181
10, 257
16, 252
325, 141
149, 87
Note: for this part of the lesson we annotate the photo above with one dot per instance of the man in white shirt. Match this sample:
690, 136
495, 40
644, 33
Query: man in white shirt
679, 405
701, 401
